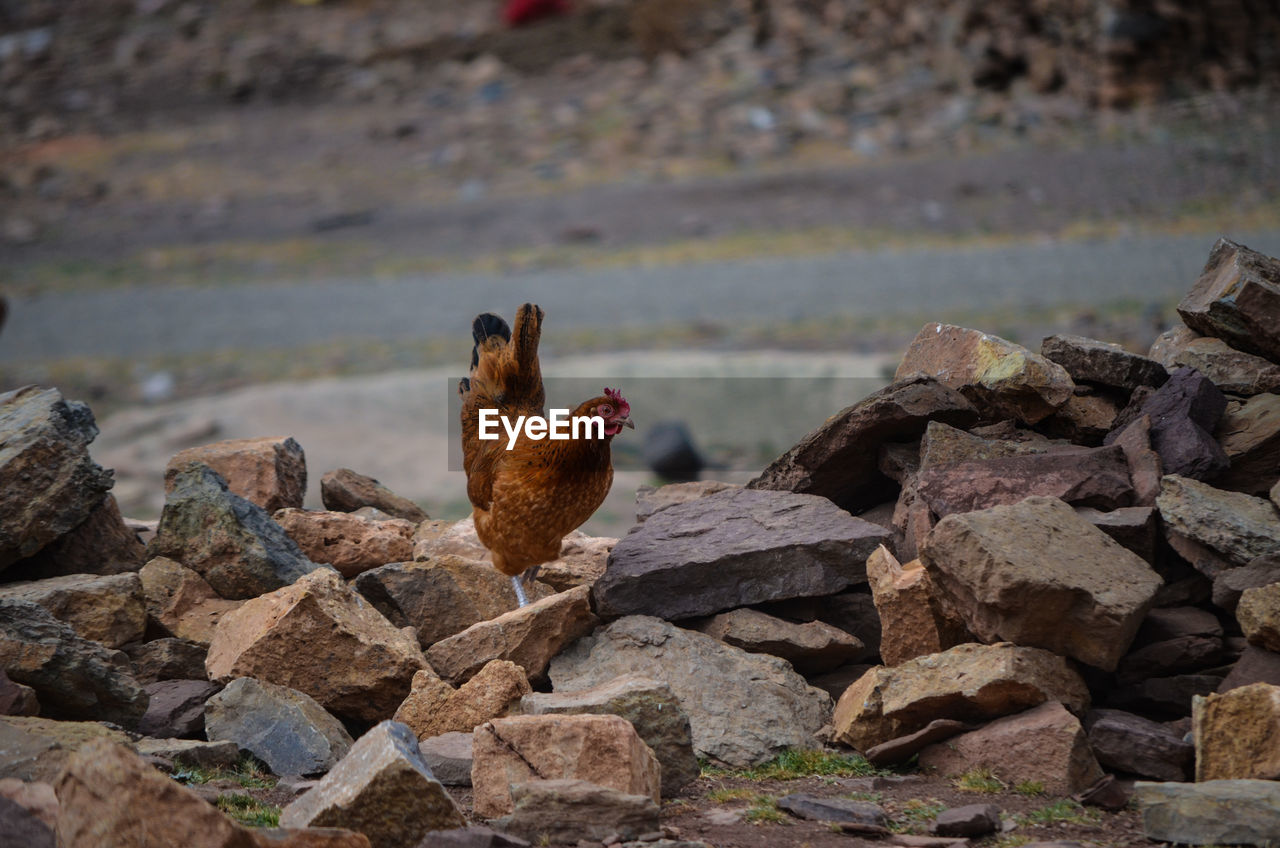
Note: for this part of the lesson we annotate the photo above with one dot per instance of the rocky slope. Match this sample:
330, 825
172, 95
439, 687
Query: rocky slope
1057, 571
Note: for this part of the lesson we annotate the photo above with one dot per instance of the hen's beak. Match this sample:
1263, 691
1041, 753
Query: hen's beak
628, 423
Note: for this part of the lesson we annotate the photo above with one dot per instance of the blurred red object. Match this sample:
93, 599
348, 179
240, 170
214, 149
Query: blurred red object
520, 12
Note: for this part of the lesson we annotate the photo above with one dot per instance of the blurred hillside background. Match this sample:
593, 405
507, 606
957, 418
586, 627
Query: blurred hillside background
247, 217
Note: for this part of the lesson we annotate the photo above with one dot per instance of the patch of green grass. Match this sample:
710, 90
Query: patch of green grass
1011, 840
869, 797
1029, 787
795, 763
249, 811
915, 815
248, 772
724, 796
1064, 811
981, 780
765, 810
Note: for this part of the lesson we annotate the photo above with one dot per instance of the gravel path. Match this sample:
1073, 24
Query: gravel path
138, 322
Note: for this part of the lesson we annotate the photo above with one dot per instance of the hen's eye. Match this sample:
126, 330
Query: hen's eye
605, 409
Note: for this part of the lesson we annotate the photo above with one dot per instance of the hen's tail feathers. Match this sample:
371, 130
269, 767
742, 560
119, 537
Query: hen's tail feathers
484, 327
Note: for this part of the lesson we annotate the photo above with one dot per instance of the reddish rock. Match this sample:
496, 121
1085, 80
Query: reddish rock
905, 747
529, 637
575, 811
601, 749
319, 637
433, 707
1086, 418
270, 472
1045, 744
1237, 299
1256, 665
1145, 468
343, 490
180, 602
1002, 379
16, 698
48, 482
1131, 744
1093, 361
1250, 436
839, 459
104, 543
350, 543
1097, 478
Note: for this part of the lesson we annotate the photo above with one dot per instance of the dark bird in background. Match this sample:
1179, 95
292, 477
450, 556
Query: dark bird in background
527, 499
521, 12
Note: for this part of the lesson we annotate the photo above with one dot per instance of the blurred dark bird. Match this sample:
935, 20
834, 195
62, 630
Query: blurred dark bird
521, 12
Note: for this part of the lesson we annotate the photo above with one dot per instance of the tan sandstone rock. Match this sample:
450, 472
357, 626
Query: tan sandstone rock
271, 472
600, 749
966, 683
350, 543
434, 707
1045, 744
1259, 616
107, 609
529, 637
1237, 733
318, 636
914, 620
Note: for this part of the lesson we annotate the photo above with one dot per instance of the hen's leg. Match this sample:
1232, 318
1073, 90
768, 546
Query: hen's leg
519, 587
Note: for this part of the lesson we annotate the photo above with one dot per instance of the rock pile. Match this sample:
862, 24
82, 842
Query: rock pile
1056, 566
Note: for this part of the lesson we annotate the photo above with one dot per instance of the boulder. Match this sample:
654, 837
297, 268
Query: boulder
318, 636
190, 753
1172, 656
180, 602
1237, 299
1135, 527
1096, 477
1249, 433
1092, 361
811, 648
433, 707
229, 541
650, 499
283, 727
743, 708
141, 806
442, 596
839, 460
1132, 744
1231, 583
1164, 697
734, 549
175, 709
1003, 379
1256, 665
1184, 412
22, 827
601, 749
582, 561
813, 808
343, 490
104, 543
105, 608
529, 637
37, 749
970, 820
350, 543
73, 677
1085, 419
903, 748
167, 659
17, 698
381, 788
914, 619
270, 472
449, 757
967, 683
1218, 812
1231, 370
48, 482
1237, 734
1235, 528
1038, 575
1145, 468
651, 707
1045, 744
569, 811
853, 611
